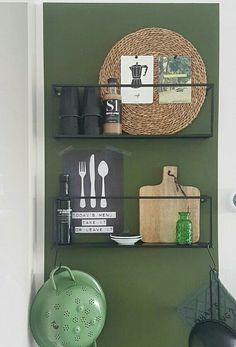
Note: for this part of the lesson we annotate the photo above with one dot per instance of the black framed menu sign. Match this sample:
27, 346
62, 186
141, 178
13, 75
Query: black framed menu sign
96, 190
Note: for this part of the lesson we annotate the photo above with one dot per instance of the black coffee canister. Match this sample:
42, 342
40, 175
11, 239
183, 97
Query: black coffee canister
91, 111
69, 111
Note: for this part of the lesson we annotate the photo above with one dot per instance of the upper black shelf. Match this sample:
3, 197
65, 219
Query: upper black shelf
56, 89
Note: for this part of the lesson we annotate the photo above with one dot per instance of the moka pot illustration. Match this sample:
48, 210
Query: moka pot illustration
136, 70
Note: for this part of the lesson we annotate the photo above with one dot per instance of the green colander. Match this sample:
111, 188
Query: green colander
69, 310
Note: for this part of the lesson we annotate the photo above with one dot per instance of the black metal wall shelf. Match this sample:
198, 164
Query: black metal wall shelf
56, 88
142, 245
207, 243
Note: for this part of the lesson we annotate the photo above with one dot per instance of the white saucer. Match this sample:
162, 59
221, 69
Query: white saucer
125, 237
126, 240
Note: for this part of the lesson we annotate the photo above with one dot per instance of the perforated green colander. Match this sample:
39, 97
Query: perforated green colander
69, 310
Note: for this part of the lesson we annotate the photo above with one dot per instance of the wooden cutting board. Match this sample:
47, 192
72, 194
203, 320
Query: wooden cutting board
158, 217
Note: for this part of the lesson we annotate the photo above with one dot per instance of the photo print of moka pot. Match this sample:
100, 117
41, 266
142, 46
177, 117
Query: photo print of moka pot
137, 71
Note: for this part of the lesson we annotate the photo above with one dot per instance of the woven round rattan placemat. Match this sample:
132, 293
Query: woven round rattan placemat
155, 118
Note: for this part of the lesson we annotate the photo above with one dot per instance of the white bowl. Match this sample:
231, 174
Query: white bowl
127, 241
126, 237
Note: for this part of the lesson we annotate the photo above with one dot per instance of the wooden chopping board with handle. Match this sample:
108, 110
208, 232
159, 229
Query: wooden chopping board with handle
158, 217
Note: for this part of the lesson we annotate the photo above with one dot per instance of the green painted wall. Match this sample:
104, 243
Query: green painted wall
143, 286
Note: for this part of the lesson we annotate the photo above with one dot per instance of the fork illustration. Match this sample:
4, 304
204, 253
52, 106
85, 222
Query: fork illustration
82, 173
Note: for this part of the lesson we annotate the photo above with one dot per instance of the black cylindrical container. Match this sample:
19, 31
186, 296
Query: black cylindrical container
63, 213
69, 111
91, 111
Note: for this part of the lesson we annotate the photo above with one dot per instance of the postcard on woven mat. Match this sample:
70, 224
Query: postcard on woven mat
175, 70
137, 71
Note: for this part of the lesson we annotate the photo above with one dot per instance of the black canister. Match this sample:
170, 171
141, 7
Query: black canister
91, 111
69, 111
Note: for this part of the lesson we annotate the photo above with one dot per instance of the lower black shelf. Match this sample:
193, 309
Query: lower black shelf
139, 245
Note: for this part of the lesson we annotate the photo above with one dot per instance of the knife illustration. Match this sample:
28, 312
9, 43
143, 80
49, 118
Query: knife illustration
92, 181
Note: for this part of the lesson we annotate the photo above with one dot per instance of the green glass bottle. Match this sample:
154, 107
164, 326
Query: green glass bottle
184, 229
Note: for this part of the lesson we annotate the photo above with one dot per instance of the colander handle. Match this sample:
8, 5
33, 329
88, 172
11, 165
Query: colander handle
57, 269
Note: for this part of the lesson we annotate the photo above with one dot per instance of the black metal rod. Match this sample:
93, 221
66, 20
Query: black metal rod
210, 222
211, 296
128, 137
218, 297
208, 85
212, 108
202, 198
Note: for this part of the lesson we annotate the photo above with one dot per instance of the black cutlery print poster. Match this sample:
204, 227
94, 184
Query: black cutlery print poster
96, 183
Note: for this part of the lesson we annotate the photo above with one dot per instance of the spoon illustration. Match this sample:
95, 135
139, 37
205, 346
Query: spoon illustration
103, 171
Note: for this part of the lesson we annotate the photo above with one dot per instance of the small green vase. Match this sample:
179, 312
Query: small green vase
184, 229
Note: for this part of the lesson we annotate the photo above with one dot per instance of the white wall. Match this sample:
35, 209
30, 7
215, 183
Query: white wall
227, 136
20, 269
